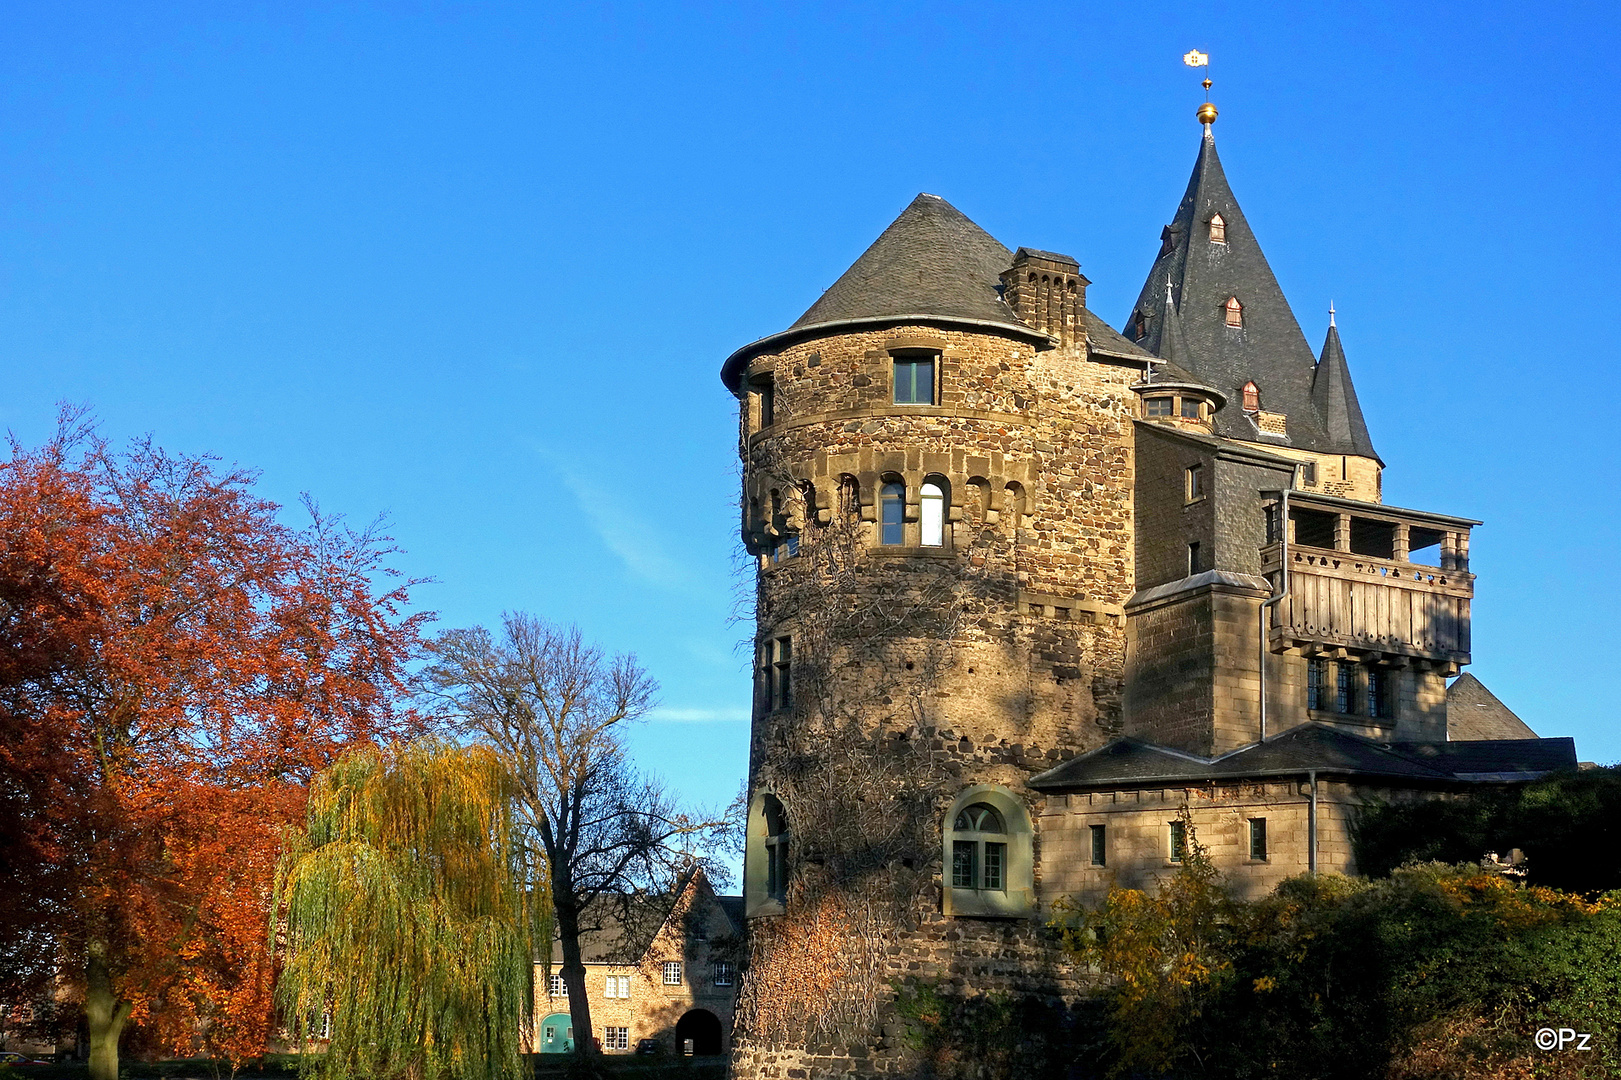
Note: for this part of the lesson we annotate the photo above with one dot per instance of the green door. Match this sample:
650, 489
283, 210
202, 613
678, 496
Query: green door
556, 1034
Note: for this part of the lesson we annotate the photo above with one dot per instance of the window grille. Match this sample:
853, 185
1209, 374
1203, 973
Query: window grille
1343, 699
616, 1038
725, 973
979, 849
556, 986
1099, 845
1316, 678
672, 973
1158, 406
1257, 837
1190, 408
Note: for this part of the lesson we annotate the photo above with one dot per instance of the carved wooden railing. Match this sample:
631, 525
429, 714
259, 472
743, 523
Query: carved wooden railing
1368, 605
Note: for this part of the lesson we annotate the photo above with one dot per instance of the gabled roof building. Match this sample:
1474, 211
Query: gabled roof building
1040, 604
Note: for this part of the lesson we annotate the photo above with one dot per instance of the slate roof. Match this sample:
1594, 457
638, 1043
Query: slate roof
932, 260
1496, 759
1335, 399
932, 263
1473, 712
1327, 750
1269, 348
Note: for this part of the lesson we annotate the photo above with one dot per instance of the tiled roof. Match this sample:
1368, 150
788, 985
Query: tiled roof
1269, 348
1473, 712
932, 260
1312, 747
1337, 406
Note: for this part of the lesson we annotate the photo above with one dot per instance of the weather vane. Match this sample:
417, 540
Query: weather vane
1196, 59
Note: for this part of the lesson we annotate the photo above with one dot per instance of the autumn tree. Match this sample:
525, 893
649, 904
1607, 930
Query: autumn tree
410, 915
557, 710
177, 662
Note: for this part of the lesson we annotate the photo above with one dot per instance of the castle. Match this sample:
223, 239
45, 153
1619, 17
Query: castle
1034, 596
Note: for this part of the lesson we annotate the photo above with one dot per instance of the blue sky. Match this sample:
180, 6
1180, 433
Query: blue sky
477, 265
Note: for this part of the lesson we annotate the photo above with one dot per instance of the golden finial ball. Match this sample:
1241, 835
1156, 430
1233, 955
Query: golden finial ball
1207, 113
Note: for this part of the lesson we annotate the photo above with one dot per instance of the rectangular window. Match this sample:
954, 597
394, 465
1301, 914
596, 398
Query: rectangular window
962, 864
1343, 691
617, 986
1308, 474
1193, 558
1190, 408
1257, 837
1195, 482
1316, 683
616, 1038
725, 973
784, 672
1158, 406
786, 547
995, 865
556, 986
672, 973
1099, 848
914, 379
1379, 697
768, 401
892, 515
1179, 840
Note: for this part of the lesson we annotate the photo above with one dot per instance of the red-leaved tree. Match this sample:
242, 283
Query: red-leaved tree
175, 662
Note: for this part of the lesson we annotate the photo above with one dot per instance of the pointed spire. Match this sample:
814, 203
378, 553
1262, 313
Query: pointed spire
1335, 400
1173, 344
1206, 268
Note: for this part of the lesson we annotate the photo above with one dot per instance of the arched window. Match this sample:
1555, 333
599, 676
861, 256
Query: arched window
776, 849
933, 515
1235, 312
766, 866
1014, 503
979, 849
1252, 397
1218, 229
987, 855
892, 519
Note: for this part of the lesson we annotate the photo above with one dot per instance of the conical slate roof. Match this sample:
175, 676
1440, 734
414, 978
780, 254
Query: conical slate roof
1335, 398
931, 260
1475, 713
1269, 348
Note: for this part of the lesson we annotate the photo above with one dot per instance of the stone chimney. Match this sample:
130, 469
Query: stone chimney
1047, 291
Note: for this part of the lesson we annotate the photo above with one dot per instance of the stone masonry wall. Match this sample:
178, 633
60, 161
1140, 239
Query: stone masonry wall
981, 661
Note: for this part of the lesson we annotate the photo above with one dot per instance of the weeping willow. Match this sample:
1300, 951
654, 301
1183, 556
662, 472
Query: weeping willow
409, 916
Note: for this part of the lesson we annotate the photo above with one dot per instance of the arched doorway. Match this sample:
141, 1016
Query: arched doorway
556, 1034
698, 1033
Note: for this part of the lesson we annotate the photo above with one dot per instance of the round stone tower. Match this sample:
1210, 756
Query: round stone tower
937, 490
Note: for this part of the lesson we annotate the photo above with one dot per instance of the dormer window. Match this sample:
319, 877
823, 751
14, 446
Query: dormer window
1139, 326
1190, 408
1218, 229
1235, 311
1158, 406
1252, 397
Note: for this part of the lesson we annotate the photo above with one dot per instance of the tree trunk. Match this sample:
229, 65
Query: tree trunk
573, 971
104, 1013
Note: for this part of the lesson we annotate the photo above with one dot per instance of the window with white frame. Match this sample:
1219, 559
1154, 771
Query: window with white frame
932, 515
672, 973
556, 987
979, 852
617, 986
725, 973
616, 1038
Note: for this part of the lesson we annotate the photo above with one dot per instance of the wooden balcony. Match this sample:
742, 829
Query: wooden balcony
1355, 591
